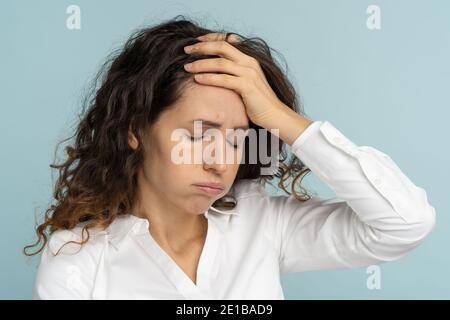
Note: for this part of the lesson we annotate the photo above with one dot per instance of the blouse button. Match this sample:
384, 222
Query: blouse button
337, 140
377, 181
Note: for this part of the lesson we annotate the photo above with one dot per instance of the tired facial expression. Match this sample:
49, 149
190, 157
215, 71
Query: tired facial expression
219, 111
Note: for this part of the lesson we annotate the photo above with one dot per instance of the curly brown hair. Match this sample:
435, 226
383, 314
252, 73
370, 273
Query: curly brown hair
98, 180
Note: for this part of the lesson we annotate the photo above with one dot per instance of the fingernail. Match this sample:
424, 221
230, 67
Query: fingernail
187, 49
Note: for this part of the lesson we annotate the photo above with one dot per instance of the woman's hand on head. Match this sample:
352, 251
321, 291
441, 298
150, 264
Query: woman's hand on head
237, 71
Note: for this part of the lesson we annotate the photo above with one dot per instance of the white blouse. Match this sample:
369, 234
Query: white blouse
378, 215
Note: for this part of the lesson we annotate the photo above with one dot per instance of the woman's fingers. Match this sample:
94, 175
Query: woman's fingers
218, 36
223, 49
222, 80
216, 65
234, 70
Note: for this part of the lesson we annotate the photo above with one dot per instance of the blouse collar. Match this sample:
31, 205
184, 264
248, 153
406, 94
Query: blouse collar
123, 225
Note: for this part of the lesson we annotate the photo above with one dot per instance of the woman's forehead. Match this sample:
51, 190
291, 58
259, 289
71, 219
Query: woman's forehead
211, 103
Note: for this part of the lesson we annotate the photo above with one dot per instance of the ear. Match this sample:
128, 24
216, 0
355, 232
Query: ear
132, 140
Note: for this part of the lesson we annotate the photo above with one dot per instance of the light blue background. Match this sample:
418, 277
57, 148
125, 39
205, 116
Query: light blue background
387, 88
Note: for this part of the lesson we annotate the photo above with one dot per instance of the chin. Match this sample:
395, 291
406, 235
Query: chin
199, 206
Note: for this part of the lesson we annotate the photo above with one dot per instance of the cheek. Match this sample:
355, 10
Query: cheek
157, 163
178, 174
169, 149
232, 171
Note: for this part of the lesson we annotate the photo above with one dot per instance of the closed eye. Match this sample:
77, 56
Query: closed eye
195, 139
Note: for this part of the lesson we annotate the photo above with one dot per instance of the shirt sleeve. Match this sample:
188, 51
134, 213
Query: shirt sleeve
378, 214
70, 275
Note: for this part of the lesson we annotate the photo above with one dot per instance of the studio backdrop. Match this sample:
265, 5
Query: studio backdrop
377, 70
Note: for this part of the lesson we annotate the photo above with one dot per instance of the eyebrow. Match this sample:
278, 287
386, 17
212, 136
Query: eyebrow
217, 125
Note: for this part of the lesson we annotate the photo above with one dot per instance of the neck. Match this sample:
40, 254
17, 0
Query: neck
169, 225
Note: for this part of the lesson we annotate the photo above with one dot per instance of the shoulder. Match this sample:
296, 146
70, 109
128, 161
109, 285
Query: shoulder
65, 242
67, 270
248, 188
98, 236
255, 201
63, 252
250, 192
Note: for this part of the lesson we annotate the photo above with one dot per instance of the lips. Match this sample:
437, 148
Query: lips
210, 185
210, 188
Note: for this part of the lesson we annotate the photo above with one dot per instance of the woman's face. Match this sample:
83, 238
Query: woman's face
169, 140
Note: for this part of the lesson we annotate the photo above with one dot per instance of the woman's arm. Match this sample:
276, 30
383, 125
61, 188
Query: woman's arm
378, 215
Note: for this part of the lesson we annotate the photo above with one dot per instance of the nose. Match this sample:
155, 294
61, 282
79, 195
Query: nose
215, 156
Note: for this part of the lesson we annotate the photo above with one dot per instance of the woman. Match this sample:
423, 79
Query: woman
131, 223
